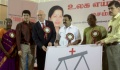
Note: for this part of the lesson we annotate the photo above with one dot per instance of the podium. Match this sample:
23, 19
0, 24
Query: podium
79, 57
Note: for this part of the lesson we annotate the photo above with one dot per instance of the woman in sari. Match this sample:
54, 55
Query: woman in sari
7, 47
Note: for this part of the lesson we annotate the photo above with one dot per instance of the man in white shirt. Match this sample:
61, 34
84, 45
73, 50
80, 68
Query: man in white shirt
69, 34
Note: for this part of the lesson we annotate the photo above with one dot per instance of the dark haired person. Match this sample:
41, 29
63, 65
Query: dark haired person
94, 32
24, 40
8, 49
69, 34
112, 41
56, 16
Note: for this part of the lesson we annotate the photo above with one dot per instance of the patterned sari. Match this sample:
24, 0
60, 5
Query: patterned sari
8, 42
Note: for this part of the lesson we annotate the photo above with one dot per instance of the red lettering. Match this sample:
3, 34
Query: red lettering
70, 6
104, 13
100, 4
78, 6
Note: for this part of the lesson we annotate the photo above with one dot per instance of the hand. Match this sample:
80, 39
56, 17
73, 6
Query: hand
100, 42
69, 44
44, 48
20, 53
56, 44
7, 54
49, 44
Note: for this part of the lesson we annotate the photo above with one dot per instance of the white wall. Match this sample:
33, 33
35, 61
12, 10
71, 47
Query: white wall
4, 2
15, 8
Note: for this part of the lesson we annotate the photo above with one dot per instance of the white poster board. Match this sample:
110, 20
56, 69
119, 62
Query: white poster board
84, 57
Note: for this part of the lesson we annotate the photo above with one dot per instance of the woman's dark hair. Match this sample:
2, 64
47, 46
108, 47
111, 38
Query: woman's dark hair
8, 20
52, 9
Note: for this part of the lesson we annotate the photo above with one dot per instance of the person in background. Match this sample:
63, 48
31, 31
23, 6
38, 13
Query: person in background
69, 34
8, 49
44, 35
56, 16
94, 33
24, 41
112, 41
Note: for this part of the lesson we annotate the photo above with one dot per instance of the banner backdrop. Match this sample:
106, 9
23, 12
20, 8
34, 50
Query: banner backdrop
15, 8
80, 57
80, 9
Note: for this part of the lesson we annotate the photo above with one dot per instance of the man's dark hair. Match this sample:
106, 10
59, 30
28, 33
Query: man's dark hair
116, 3
69, 17
93, 16
26, 12
56, 7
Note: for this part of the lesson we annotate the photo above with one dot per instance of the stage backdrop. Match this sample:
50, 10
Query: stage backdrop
80, 9
15, 8
79, 57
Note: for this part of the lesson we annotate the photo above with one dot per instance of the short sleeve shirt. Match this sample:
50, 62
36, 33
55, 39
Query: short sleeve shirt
64, 31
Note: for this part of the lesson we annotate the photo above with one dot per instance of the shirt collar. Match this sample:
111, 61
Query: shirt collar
69, 26
25, 22
116, 16
42, 22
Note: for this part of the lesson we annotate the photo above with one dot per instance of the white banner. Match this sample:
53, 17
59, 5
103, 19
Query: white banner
15, 8
81, 57
79, 11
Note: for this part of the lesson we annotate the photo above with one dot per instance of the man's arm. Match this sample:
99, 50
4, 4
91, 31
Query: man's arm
104, 32
113, 37
84, 40
84, 37
35, 37
78, 38
18, 36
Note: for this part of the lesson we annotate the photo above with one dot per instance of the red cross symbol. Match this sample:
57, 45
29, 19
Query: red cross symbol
72, 51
